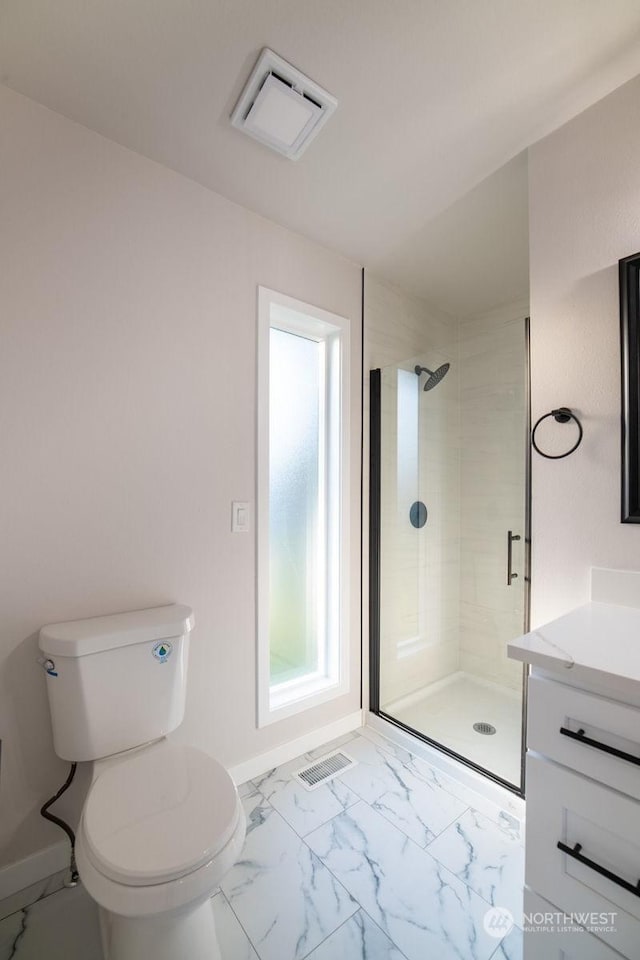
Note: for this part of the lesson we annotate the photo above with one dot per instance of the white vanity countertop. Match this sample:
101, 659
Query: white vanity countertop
599, 643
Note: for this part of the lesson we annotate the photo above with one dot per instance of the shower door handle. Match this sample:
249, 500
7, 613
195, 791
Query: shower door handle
511, 536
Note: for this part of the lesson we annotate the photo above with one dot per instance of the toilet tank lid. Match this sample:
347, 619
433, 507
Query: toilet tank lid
78, 638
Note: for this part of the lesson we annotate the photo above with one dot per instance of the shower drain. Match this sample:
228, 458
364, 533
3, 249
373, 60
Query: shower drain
487, 728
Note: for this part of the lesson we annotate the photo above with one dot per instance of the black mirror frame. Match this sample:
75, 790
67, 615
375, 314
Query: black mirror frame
629, 272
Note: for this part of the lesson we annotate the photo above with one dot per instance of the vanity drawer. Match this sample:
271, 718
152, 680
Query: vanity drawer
549, 935
556, 714
565, 807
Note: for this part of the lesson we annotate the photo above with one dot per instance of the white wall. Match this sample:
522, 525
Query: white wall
584, 216
127, 419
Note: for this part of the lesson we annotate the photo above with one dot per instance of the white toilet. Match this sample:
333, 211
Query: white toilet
161, 822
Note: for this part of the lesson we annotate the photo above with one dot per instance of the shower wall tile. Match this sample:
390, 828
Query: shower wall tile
420, 577
492, 491
446, 606
400, 326
413, 674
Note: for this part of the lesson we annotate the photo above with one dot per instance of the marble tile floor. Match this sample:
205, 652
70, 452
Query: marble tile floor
392, 860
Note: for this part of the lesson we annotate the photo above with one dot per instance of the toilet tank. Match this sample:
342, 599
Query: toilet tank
116, 682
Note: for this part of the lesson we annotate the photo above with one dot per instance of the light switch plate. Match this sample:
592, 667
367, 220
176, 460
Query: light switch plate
239, 516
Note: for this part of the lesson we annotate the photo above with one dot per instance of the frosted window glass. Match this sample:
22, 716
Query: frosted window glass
294, 487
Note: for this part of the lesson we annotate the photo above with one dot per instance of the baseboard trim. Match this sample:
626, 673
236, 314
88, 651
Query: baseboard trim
38, 866
259, 764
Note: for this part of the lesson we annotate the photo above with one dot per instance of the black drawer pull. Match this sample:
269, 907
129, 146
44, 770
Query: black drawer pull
580, 737
575, 853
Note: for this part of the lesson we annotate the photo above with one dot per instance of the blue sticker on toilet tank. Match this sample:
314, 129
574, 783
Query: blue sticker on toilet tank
162, 650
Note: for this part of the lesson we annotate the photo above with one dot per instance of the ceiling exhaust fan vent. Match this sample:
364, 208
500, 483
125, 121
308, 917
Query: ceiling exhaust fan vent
281, 107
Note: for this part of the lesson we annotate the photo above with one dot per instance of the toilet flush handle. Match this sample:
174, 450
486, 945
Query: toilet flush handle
48, 666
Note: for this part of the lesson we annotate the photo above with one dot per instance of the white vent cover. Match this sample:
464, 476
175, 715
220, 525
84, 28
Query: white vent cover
281, 107
324, 768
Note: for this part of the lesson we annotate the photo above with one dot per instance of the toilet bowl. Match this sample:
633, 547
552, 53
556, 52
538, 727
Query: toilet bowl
159, 829
161, 822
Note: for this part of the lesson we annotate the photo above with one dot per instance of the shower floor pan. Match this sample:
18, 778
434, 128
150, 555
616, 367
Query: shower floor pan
447, 711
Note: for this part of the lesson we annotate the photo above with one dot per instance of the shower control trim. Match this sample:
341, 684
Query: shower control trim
511, 536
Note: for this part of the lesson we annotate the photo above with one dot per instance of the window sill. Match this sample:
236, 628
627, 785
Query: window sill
294, 696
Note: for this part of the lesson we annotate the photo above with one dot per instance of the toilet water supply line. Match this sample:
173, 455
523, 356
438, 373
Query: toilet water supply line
44, 812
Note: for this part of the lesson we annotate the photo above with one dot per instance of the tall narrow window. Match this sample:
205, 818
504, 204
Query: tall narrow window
302, 505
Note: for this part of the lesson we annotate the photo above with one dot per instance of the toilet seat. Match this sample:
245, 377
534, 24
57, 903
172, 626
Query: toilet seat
160, 815
174, 896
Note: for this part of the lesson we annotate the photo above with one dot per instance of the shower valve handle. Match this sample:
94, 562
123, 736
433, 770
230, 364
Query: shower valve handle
511, 536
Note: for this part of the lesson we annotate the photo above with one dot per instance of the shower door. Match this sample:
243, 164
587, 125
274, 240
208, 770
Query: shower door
449, 544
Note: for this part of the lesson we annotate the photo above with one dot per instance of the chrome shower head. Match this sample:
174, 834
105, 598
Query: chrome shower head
435, 376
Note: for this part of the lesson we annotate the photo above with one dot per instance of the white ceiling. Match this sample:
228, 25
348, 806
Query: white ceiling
434, 95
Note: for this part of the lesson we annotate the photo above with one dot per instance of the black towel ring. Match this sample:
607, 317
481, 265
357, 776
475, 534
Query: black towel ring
561, 415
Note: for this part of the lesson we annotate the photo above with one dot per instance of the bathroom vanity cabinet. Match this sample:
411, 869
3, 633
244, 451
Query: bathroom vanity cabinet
583, 777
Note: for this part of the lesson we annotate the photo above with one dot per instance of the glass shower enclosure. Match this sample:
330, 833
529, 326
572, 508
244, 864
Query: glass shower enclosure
449, 545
